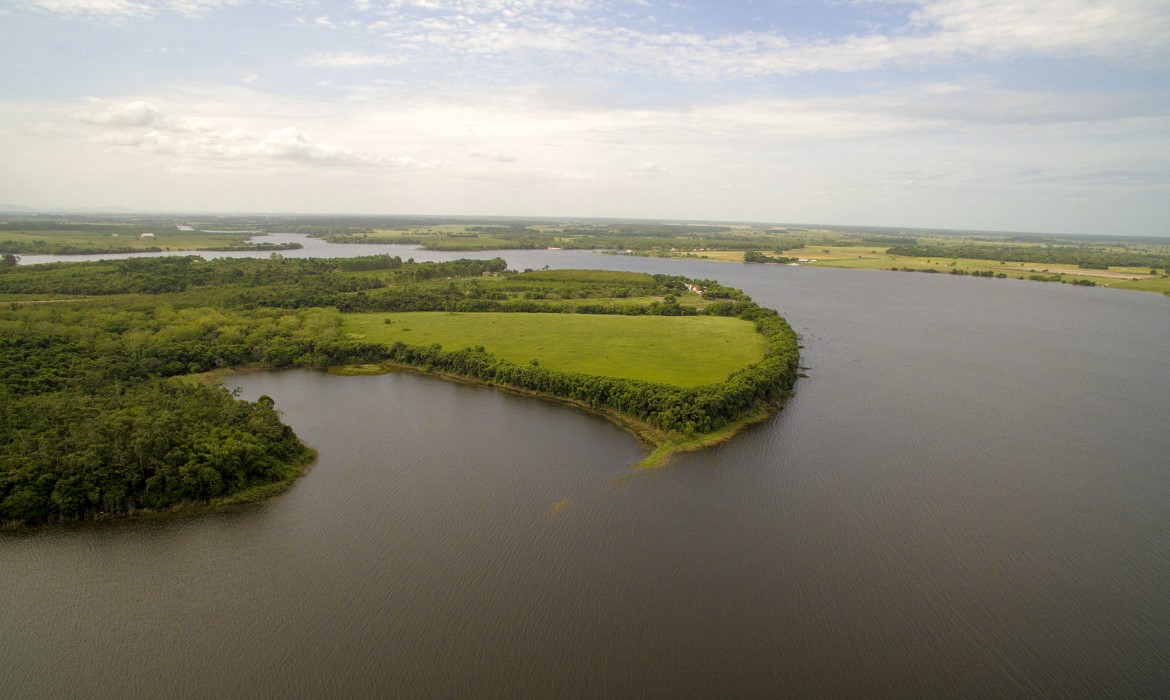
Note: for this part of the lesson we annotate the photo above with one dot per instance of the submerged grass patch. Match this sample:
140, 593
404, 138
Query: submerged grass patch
679, 351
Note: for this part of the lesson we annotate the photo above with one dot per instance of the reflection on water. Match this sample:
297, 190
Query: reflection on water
966, 497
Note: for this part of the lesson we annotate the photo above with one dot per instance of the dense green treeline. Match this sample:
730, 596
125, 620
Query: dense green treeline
52, 347
93, 421
90, 424
42, 247
57, 236
688, 411
175, 274
644, 238
124, 446
533, 292
754, 256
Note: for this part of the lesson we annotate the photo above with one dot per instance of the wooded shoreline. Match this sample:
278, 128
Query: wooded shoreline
658, 443
94, 419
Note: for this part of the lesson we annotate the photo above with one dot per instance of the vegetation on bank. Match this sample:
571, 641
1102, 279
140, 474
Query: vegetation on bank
87, 236
84, 452
682, 415
1141, 263
1140, 278
93, 421
1098, 257
755, 256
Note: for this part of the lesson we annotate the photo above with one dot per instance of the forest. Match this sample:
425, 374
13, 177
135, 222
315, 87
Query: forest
98, 415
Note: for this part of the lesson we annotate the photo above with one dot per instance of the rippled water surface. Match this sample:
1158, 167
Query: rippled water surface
967, 496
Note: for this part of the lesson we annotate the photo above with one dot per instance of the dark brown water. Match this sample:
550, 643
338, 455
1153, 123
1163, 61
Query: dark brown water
966, 497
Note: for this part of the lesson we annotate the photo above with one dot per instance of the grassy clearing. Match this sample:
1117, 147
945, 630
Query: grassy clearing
680, 351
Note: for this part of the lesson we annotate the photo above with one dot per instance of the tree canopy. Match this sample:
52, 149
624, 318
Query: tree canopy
94, 421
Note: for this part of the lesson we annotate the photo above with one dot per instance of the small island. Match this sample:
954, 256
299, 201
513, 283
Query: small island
109, 405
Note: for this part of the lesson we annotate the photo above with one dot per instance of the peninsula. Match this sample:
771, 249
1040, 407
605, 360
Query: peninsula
103, 413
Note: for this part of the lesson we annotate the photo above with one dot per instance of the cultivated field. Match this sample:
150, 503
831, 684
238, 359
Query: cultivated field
681, 351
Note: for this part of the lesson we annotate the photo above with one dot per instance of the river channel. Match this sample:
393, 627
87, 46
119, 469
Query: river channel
967, 496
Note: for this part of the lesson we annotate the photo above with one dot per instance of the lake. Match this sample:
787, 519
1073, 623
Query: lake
967, 496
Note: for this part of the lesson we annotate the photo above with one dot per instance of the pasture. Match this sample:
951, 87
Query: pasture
677, 350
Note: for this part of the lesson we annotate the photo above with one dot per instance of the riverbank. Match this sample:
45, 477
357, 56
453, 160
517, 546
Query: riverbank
660, 444
1132, 278
142, 429
255, 494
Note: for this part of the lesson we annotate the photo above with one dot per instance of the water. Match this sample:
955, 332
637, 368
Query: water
967, 496
310, 248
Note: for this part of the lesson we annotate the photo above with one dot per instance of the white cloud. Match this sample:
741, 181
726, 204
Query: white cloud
353, 59
497, 157
195, 8
203, 139
107, 9
594, 38
647, 168
125, 9
944, 153
932, 32
1099, 27
136, 113
154, 141
290, 143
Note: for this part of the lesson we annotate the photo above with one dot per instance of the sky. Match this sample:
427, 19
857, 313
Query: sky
1008, 115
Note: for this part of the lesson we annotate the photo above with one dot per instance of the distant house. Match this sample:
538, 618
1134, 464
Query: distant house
146, 235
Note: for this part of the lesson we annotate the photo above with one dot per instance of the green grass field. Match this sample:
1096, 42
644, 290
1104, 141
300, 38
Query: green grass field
681, 351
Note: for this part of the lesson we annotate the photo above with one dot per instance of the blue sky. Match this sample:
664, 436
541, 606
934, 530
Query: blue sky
1022, 115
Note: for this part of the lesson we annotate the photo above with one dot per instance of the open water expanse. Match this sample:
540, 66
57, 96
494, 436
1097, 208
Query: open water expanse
969, 495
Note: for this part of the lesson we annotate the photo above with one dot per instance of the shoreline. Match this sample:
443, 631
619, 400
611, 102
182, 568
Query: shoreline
664, 417
1106, 279
249, 496
660, 444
